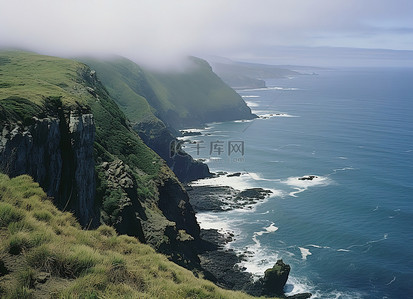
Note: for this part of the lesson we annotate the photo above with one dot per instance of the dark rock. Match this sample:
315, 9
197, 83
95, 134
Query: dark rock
253, 194
211, 198
3, 269
58, 153
128, 220
190, 133
160, 139
234, 174
222, 198
221, 264
275, 278
300, 296
307, 178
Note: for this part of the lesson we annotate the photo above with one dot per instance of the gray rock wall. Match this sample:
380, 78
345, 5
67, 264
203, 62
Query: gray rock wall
58, 154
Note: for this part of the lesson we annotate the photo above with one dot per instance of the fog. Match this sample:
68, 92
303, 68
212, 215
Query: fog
160, 33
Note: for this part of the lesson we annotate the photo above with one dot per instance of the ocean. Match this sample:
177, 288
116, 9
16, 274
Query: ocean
348, 233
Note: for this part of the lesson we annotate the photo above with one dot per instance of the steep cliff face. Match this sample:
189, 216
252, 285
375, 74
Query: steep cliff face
59, 156
59, 124
130, 88
160, 139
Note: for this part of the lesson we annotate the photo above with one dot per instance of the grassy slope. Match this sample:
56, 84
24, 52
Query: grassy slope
125, 82
196, 90
28, 78
36, 237
31, 76
179, 98
41, 77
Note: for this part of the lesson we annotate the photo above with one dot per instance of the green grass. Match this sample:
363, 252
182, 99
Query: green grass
193, 96
83, 264
34, 77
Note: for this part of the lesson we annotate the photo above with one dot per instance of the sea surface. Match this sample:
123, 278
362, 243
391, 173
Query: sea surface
348, 233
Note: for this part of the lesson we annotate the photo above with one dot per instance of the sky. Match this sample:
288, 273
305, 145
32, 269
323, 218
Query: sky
161, 32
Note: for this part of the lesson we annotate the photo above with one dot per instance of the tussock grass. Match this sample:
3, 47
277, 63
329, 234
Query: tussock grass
95, 264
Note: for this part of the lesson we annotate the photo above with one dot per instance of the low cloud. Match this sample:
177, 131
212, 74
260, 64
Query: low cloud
160, 32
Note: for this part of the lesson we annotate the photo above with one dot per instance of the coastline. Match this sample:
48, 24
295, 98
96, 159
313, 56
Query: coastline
223, 264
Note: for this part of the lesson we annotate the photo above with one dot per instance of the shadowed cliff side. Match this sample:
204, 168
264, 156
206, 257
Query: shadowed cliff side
60, 125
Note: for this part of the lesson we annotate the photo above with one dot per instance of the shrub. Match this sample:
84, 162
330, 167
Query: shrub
42, 215
9, 214
18, 242
27, 278
107, 231
20, 226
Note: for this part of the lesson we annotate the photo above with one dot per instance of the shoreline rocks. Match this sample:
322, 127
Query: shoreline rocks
224, 198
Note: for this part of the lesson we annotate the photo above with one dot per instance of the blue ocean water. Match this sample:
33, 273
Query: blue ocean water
349, 232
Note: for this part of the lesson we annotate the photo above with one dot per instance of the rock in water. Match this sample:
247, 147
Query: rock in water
275, 278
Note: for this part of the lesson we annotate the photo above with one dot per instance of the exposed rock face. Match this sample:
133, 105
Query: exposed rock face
174, 203
58, 154
129, 211
82, 137
159, 139
275, 278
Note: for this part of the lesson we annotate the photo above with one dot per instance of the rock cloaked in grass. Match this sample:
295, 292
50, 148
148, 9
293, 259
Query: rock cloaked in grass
275, 278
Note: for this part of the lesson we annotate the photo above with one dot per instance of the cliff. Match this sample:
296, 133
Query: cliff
57, 152
60, 125
179, 98
128, 85
45, 253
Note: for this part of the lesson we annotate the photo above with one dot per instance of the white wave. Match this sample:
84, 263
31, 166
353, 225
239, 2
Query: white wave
272, 115
343, 158
251, 96
269, 229
194, 130
252, 104
298, 190
244, 181
341, 169
391, 281
258, 177
209, 220
302, 185
318, 246
271, 88
385, 236
343, 250
243, 121
304, 252
297, 285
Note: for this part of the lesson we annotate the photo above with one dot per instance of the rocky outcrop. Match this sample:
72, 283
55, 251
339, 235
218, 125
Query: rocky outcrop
275, 278
82, 137
159, 139
58, 154
125, 212
174, 203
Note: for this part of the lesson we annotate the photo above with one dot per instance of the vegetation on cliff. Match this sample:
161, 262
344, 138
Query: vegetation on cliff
184, 98
55, 88
45, 252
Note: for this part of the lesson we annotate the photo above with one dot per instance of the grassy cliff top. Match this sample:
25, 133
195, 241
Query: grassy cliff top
30, 83
45, 253
35, 77
188, 97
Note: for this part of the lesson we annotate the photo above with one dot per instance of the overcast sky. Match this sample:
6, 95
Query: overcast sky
159, 32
